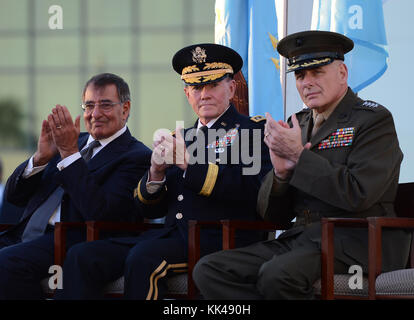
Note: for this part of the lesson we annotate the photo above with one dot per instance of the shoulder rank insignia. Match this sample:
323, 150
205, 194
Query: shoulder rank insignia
370, 104
340, 138
257, 118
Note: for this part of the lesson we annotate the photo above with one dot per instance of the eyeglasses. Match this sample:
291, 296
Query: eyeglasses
104, 106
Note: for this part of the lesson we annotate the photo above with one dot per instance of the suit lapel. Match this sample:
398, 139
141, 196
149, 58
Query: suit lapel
82, 141
305, 126
111, 151
190, 134
226, 121
225, 126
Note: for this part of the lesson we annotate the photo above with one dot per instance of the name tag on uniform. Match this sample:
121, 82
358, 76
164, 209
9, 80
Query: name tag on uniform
340, 138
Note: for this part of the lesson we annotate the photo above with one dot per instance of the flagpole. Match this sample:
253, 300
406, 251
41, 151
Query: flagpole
283, 60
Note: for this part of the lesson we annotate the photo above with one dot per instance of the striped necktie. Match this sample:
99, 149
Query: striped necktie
88, 151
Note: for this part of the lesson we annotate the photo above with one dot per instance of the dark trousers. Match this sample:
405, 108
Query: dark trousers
24, 265
90, 266
276, 269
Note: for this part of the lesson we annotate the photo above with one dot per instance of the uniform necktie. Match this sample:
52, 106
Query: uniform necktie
199, 141
39, 220
204, 130
318, 123
201, 135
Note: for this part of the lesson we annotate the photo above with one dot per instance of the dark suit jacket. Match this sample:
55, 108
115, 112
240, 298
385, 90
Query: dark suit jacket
351, 170
215, 189
10, 213
101, 189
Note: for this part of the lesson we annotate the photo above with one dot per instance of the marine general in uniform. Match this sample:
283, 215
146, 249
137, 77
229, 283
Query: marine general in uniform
338, 157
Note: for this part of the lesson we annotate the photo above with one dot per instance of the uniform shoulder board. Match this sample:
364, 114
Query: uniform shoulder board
257, 118
372, 105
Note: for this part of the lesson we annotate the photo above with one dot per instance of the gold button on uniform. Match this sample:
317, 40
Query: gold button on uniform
179, 215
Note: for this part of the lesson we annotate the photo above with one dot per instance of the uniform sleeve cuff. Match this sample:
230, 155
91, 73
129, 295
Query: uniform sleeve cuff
279, 185
154, 186
148, 196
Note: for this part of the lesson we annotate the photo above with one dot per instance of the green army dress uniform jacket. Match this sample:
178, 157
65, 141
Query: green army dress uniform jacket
351, 170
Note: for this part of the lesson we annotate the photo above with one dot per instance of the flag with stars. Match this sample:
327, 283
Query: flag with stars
250, 28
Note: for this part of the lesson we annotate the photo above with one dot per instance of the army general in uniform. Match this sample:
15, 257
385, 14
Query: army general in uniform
339, 157
210, 171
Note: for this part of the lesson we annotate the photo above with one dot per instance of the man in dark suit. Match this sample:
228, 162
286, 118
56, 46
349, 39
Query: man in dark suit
87, 183
211, 171
345, 165
9, 214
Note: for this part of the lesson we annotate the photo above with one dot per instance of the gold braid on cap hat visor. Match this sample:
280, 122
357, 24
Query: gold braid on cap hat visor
190, 69
211, 69
308, 64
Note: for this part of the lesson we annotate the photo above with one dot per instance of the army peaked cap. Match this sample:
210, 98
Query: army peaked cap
206, 63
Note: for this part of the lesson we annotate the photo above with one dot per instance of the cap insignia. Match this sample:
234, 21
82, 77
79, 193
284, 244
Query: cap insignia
199, 55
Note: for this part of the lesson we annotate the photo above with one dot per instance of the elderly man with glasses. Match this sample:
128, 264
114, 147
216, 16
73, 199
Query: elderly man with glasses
72, 176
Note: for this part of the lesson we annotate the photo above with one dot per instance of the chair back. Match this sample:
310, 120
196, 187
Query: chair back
404, 201
241, 96
404, 208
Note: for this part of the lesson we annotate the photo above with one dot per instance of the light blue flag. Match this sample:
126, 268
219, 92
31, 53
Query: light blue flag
363, 22
250, 28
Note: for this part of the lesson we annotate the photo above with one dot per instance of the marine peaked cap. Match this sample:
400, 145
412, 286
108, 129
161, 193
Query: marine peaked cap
206, 63
311, 49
